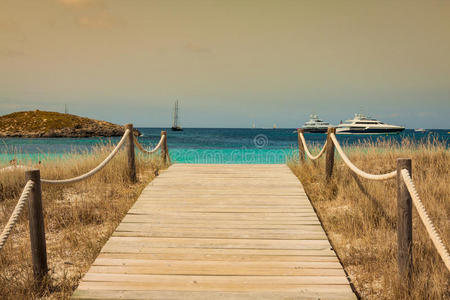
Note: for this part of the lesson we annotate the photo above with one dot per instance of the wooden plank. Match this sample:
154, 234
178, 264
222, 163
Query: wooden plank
217, 228
207, 221
211, 283
228, 225
195, 268
143, 230
334, 292
229, 235
218, 232
222, 200
227, 194
211, 264
230, 258
271, 210
109, 248
217, 216
218, 243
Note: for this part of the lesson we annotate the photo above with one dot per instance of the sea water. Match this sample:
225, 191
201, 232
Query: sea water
204, 145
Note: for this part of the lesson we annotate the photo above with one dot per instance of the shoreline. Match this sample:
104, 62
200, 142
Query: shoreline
218, 155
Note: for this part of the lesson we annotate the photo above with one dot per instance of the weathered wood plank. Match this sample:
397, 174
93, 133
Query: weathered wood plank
236, 251
194, 268
236, 217
228, 225
336, 292
218, 255
218, 243
303, 212
134, 262
220, 283
137, 230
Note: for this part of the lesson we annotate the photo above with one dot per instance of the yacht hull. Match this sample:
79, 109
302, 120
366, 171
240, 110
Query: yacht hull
315, 130
370, 131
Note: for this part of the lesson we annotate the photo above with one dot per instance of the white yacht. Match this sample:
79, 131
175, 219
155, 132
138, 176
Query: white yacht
316, 125
361, 124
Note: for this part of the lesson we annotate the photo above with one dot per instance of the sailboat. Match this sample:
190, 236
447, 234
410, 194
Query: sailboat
175, 126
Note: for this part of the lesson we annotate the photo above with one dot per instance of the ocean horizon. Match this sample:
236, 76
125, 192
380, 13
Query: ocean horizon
206, 145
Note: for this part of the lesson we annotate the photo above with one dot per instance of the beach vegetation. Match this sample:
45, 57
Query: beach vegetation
79, 218
360, 216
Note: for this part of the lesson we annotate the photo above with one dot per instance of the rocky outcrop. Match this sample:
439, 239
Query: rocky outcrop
47, 124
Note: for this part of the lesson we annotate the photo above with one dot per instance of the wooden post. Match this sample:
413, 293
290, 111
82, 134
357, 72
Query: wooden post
404, 223
301, 149
164, 147
167, 150
37, 229
131, 155
329, 161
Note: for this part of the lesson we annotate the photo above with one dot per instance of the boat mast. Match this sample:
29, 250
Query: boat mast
175, 115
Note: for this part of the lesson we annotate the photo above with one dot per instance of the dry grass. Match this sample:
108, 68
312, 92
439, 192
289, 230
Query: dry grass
359, 217
79, 218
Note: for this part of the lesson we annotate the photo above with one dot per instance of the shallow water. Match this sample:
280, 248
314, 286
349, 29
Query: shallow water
204, 145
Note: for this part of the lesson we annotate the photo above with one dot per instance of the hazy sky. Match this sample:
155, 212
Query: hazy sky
228, 62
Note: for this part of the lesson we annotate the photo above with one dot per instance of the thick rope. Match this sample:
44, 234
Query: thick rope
96, 169
15, 167
16, 213
140, 147
355, 168
437, 241
307, 151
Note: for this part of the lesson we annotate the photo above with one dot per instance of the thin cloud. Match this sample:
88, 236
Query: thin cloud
9, 26
83, 3
11, 53
101, 20
426, 114
190, 47
11, 32
8, 105
92, 14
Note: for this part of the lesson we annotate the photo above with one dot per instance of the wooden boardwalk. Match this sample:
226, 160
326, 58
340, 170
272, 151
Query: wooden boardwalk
218, 232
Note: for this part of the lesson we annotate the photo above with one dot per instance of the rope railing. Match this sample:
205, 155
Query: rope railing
29, 185
32, 193
312, 157
434, 235
162, 145
96, 169
404, 183
16, 213
140, 147
355, 168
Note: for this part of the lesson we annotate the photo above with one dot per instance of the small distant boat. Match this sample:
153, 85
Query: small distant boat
253, 125
274, 126
175, 126
361, 124
419, 130
315, 125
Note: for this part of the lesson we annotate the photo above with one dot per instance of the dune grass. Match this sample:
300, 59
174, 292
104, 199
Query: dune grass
79, 218
359, 216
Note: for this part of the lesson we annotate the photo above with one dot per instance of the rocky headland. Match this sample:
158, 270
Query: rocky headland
45, 124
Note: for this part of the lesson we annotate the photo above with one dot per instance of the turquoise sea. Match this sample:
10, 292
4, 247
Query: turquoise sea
203, 145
